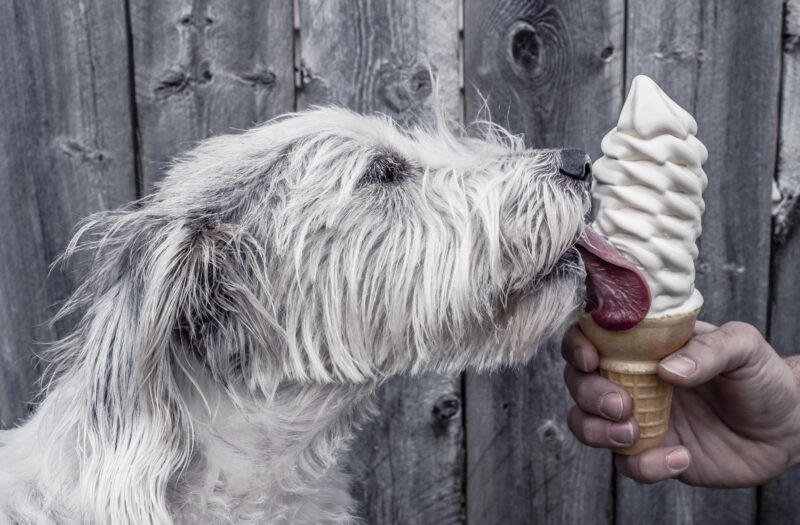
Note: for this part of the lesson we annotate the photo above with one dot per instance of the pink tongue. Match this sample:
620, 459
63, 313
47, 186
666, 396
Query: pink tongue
617, 295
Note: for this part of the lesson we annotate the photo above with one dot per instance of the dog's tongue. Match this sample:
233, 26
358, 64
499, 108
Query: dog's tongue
617, 295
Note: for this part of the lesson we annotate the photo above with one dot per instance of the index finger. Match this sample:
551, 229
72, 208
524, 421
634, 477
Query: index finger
578, 350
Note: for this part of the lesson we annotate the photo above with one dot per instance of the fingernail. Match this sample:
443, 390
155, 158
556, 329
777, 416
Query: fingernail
584, 362
611, 405
677, 460
680, 365
621, 433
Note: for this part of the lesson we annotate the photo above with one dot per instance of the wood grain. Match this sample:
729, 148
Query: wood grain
375, 56
523, 464
207, 67
66, 150
553, 71
407, 463
720, 61
549, 69
778, 501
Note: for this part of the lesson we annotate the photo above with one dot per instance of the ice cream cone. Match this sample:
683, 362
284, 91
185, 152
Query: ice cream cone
630, 359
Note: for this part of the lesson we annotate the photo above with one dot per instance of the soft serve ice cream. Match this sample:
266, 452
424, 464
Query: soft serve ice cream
647, 195
639, 253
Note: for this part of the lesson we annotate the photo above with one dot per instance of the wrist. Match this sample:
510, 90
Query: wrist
794, 365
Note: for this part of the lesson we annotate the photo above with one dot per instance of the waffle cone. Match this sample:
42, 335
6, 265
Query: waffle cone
630, 359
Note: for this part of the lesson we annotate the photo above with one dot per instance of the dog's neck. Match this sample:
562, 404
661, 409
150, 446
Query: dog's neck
270, 456
264, 461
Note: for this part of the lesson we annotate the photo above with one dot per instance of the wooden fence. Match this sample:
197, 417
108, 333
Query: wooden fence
95, 96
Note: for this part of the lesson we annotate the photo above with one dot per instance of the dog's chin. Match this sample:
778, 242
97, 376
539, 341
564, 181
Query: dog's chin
533, 316
538, 310
569, 266
568, 274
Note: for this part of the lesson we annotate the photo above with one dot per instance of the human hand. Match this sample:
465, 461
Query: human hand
735, 419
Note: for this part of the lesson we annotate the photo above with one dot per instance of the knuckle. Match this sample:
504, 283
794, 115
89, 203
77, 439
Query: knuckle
582, 427
640, 471
745, 332
569, 334
647, 473
581, 389
588, 394
573, 422
589, 401
569, 378
566, 352
710, 341
628, 466
593, 433
569, 375
577, 350
569, 344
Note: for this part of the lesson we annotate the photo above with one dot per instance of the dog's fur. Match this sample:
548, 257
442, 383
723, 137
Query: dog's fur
236, 323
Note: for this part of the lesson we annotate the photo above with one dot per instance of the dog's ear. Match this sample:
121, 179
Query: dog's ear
227, 317
162, 296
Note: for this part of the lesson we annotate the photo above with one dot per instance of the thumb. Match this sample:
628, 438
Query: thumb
710, 352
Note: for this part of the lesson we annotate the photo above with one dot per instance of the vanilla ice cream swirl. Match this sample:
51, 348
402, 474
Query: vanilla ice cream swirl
647, 194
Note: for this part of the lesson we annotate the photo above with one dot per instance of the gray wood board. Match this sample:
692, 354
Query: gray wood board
66, 150
375, 57
778, 500
720, 61
407, 463
553, 71
207, 67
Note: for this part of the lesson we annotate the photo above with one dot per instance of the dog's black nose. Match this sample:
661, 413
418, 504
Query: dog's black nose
575, 163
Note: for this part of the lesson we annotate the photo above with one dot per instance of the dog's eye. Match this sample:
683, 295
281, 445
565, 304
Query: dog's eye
385, 170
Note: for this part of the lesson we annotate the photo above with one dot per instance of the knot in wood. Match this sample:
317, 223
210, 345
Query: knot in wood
173, 81
538, 49
421, 84
791, 42
550, 436
196, 20
259, 77
446, 407
524, 45
76, 149
399, 88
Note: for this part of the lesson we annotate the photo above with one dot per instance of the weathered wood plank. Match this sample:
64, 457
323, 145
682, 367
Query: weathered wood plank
552, 70
407, 463
778, 500
523, 465
374, 57
720, 61
66, 150
206, 67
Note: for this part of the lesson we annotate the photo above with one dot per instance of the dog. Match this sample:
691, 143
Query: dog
234, 325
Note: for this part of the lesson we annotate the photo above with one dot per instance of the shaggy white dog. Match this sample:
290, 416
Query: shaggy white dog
236, 323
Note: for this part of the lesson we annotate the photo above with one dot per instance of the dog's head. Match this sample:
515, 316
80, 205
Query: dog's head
371, 250
328, 246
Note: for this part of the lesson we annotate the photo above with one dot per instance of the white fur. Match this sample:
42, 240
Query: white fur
236, 323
